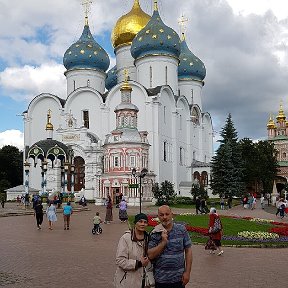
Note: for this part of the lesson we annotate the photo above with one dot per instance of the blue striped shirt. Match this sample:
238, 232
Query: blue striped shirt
170, 265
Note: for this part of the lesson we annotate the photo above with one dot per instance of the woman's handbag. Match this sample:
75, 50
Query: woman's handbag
210, 245
217, 227
148, 276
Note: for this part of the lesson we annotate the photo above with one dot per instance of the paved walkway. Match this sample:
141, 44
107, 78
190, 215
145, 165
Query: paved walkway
76, 258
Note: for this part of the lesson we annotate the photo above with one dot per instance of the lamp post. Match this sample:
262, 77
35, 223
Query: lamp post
66, 168
141, 175
44, 171
26, 168
72, 170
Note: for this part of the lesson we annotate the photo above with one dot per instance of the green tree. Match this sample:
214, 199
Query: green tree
250, 161
11, 165
198, 191
164, 194
267, 164
260, 164
227, 165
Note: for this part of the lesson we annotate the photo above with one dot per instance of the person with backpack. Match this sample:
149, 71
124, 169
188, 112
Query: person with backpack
38, 213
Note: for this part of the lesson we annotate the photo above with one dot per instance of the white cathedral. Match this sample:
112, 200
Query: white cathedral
144, 113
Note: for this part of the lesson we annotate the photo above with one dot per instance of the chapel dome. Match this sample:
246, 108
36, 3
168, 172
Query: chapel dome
190, 66
156, 39
129, 25
111, 79
86, 53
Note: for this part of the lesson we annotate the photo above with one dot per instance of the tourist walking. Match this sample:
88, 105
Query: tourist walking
278, 206
38, 213
170, 251
253, 202
204, 207
130, 255
67, 212
109, 212
268, 197
51, 214
215, 229
222, 203
2, 199
123, 210
198, 206
27, 200
262, 199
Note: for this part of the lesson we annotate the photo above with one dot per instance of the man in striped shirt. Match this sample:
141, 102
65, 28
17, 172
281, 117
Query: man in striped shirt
170, 251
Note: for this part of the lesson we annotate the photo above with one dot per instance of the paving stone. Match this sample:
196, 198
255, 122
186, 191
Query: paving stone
31, 258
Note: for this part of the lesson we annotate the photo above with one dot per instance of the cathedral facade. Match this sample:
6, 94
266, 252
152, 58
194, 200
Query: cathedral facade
278, 133
144, 113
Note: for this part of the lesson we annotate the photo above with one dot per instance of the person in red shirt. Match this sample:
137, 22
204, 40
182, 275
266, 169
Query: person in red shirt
215, 229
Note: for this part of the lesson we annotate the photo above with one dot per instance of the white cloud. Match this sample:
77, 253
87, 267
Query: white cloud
12, 137
260, 7
241, 51
24, 83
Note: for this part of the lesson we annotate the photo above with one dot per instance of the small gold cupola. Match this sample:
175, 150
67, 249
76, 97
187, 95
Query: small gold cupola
129, 25
126, 86
49, 125
281, 116
271, 123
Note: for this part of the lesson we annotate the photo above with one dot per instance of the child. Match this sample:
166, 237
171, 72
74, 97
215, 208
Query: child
96, 221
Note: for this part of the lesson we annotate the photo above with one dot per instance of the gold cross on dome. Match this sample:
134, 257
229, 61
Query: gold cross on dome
182, 25
48, 116
155, 5
87, 5
126, 75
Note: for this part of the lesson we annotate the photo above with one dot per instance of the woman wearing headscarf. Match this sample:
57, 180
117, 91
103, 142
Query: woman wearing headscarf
130, 255
215, 229
109, 213
123, 211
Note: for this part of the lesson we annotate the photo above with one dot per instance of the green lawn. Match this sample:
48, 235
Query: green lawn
231, 227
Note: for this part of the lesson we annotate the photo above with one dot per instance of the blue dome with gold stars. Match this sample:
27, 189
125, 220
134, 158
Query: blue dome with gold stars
190, 66
111, 79
86, 53
156, 38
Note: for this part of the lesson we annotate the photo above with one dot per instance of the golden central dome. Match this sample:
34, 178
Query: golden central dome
129, 25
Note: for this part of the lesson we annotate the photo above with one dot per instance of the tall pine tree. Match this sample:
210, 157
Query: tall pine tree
227, 166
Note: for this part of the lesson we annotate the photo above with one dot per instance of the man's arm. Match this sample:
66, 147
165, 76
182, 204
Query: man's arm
157, 250
188, 265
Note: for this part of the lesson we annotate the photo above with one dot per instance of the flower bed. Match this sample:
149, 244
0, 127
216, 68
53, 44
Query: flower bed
258, 235
238, 231
283, 231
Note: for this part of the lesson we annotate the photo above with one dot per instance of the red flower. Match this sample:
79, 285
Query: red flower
279, 230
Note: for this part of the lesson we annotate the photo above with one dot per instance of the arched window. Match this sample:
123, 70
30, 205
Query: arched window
79, 179
195, 116
204, 179
166, 75
165, 151
196, 177
151, 76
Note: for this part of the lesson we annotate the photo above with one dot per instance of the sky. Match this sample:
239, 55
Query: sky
243, 44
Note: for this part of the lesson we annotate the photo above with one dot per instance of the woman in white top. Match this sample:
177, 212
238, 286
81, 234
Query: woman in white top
51, 214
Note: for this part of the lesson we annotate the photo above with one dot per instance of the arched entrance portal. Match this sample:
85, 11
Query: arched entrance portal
79, 173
